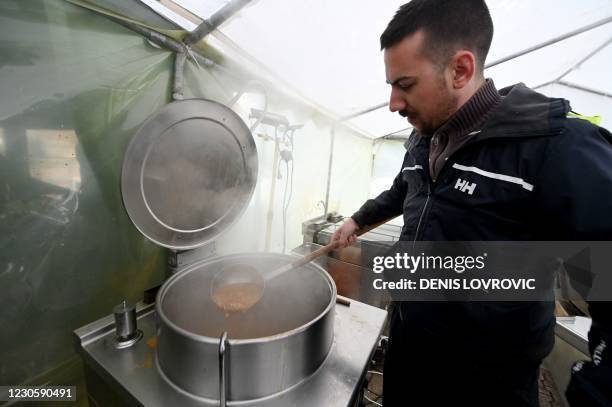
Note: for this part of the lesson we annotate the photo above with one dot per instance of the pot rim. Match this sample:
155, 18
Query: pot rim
233, 342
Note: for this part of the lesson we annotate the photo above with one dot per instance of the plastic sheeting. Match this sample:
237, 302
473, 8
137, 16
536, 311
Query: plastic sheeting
135, 10
556, 60
74, 88
304, 176
329, 51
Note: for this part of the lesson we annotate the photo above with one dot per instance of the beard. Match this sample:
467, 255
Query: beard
446, 104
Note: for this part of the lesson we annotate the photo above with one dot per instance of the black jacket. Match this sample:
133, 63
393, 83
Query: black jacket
530, 173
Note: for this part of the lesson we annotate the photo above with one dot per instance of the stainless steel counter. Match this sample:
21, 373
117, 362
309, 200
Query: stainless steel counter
131, 376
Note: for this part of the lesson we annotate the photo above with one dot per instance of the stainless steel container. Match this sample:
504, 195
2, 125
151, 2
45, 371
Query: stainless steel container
273, 346
188, 174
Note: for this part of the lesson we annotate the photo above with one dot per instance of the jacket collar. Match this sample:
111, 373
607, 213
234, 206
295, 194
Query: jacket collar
522, 113
526, 113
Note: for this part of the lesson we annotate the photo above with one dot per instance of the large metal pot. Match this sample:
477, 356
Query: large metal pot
273, 346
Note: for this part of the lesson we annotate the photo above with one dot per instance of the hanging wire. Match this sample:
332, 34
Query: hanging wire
284, 211
191, 54
289, 169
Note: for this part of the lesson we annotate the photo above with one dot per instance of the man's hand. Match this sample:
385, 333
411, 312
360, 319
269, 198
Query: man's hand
346, 233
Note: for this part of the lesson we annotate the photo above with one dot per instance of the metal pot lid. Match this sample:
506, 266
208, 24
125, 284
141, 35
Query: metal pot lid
188, 173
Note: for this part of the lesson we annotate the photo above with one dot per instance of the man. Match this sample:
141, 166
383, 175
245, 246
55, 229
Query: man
482, 165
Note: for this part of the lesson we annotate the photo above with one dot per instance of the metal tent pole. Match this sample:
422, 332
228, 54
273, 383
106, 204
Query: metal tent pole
550, 42
214, 21
523, 52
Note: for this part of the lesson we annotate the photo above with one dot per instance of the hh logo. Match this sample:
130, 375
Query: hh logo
465, 186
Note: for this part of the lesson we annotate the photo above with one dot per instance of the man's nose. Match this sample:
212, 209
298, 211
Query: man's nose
396, 102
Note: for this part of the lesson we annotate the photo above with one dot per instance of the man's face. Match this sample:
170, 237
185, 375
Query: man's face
420, 90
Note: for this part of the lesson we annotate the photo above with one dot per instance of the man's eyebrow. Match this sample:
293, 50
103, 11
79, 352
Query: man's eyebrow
401, 78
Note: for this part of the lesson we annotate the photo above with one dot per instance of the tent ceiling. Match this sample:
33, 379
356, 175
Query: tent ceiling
135, 10
553, 61
595, 71
329, 51
202, 9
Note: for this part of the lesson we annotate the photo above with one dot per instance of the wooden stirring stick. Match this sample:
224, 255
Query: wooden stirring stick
331, 246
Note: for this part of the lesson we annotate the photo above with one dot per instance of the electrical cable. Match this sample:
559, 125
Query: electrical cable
373, 392
371, 401
292, 169
376, 395
284, 211
288, 187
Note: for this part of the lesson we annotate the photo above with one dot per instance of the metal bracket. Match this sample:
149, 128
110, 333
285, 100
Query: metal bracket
223, 369
178, 259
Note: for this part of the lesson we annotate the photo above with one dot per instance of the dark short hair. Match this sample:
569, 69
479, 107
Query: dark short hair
448, 25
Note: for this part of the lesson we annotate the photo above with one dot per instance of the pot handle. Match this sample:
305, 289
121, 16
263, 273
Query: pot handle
223, 369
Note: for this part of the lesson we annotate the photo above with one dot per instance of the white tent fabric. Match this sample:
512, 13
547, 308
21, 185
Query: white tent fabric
329, 52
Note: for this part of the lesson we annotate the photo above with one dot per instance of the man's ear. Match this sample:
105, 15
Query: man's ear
463, 68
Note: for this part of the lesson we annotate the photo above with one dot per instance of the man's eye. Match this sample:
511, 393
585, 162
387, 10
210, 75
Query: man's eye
405, 87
